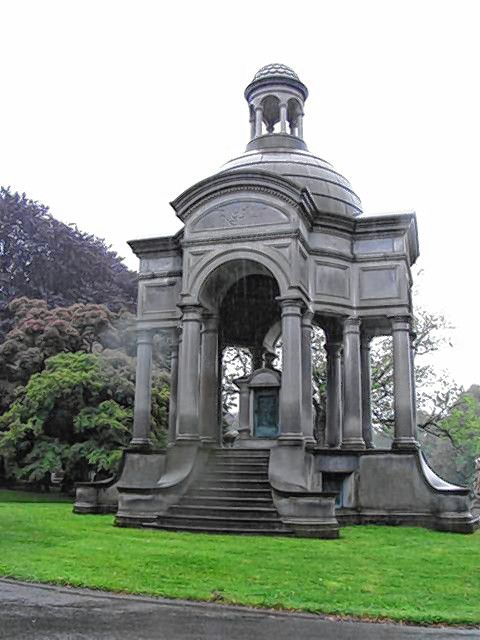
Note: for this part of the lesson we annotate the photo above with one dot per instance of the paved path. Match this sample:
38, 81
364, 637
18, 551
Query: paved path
45, 612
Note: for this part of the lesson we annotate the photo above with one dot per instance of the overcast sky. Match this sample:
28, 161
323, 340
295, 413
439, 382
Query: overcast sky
110, 109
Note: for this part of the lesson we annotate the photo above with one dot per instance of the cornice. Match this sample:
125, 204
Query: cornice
250, 237
239, 180
152, 275
164, 244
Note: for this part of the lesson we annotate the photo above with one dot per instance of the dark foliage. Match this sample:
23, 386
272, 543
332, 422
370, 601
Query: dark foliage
40, 257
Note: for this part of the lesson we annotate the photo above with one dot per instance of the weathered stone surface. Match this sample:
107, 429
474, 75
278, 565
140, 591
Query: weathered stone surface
271, 244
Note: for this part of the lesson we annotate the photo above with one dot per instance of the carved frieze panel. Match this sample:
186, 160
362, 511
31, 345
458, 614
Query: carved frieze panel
379, 283
332, 280
239, 214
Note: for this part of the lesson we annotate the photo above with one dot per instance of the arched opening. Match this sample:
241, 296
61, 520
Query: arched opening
294, 115
271, 112
242, 294
381, 391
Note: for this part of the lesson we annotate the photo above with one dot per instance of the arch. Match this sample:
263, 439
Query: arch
294, 109
252, 260
271, 111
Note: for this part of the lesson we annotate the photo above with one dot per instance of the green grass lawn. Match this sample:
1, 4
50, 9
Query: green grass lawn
376, 572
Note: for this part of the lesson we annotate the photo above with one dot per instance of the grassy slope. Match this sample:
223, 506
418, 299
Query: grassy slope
399, 573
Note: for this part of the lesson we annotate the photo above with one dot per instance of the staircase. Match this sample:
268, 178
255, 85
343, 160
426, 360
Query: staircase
232, 496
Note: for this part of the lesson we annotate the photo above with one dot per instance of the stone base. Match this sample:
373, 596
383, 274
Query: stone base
136, 467
304, 528
463, 524
390, 487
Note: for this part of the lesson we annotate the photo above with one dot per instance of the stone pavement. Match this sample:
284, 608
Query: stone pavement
43, 612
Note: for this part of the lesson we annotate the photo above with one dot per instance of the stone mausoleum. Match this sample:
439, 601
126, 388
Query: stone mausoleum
272, 244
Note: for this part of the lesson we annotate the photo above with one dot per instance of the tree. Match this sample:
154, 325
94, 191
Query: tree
40, 257
39, 333
75, 416
459, 435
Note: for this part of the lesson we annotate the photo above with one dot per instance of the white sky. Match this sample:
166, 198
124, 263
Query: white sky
110, 109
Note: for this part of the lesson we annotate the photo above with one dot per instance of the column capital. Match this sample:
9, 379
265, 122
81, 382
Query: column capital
291, 305
401, 323
352, 325
144, 336
191, 312
333, 348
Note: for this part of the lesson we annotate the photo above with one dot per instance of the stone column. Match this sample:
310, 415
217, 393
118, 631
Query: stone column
283, 118
413, 337
333, 430
209, 380
352, 416
258, 121
172, 412
244, 429
300, 125
252, 125
291, 389
307, 376
143, 391
188, 374
403, 385
366, 390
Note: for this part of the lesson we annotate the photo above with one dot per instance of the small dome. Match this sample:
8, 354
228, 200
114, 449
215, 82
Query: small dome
275, 71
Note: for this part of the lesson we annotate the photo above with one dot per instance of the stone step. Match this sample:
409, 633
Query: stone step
182, 521
232, 483
259, 531
226, 501
240, 475
241, 465
215, 512
242, 455
230, 492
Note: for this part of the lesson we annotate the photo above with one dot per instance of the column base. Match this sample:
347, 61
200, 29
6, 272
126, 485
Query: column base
293, 439
187, 438
353, 443
406, 443
140, 444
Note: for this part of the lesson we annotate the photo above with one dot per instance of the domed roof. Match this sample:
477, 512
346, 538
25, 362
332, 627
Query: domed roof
274, 71
331, 192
